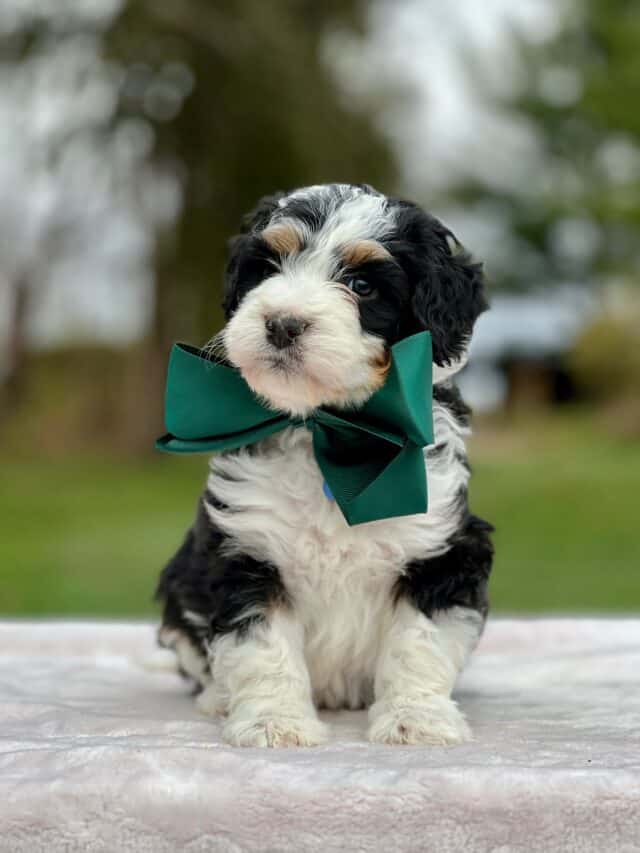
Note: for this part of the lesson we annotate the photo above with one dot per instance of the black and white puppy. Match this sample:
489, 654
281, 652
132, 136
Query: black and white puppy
273, 604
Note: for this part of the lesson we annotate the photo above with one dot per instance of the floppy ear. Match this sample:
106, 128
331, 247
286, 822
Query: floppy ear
246, 251
448, 291
236, 247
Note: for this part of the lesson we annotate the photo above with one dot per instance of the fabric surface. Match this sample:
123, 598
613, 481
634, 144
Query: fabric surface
101, 752
371, 458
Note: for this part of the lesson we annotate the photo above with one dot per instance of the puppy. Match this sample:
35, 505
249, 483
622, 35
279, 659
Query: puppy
273, 604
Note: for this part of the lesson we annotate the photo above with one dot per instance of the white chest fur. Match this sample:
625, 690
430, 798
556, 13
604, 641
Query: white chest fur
339, 578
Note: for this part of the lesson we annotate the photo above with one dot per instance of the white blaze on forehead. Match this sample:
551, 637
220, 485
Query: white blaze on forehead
365, 218
362, 218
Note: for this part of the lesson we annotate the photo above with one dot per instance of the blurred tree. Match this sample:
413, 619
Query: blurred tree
577, 218
65, 177
168, 119
242, 104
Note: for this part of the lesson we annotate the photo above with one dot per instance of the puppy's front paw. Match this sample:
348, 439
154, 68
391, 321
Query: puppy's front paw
434, 722
274, 731
211, 702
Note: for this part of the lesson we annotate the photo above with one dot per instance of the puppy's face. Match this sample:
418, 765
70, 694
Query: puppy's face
325, 279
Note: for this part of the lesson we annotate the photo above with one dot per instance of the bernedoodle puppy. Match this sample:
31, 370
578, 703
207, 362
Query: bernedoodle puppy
274, 605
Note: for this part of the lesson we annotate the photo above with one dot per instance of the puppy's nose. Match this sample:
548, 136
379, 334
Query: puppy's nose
283, 331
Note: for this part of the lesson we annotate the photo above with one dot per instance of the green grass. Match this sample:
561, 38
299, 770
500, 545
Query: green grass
88, 536
564, 501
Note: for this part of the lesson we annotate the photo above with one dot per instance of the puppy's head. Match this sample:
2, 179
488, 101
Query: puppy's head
324, 280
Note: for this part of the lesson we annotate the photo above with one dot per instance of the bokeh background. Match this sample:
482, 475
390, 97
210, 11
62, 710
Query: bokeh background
134, 135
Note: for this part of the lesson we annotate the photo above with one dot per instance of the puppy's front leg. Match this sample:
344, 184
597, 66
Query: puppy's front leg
263, 684
419, 661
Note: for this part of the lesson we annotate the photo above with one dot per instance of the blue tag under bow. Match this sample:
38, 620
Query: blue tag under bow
327, 490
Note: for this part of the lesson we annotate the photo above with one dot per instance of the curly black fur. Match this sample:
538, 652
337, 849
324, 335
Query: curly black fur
458, 577
202, 579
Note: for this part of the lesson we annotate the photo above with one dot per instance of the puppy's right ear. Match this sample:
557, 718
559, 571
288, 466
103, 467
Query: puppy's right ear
247, 262
236, 247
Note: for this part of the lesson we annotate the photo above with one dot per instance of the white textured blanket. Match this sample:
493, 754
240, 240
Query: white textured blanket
100, 753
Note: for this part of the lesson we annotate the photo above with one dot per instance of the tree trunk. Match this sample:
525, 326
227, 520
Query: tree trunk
13, 382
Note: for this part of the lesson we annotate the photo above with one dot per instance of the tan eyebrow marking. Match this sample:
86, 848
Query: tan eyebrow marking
364, 250
283, 238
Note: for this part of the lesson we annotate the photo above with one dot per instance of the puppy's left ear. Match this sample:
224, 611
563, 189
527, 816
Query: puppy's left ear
448, 289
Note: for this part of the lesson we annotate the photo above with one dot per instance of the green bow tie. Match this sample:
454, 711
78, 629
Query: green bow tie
371, 458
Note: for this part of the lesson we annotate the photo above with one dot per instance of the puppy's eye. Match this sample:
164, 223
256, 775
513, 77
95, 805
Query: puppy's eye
361, 287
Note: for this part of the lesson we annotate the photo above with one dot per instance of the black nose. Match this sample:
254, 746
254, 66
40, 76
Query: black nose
283, 331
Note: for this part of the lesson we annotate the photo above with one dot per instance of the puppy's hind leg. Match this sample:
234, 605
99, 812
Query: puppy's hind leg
188, 657
262, 682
